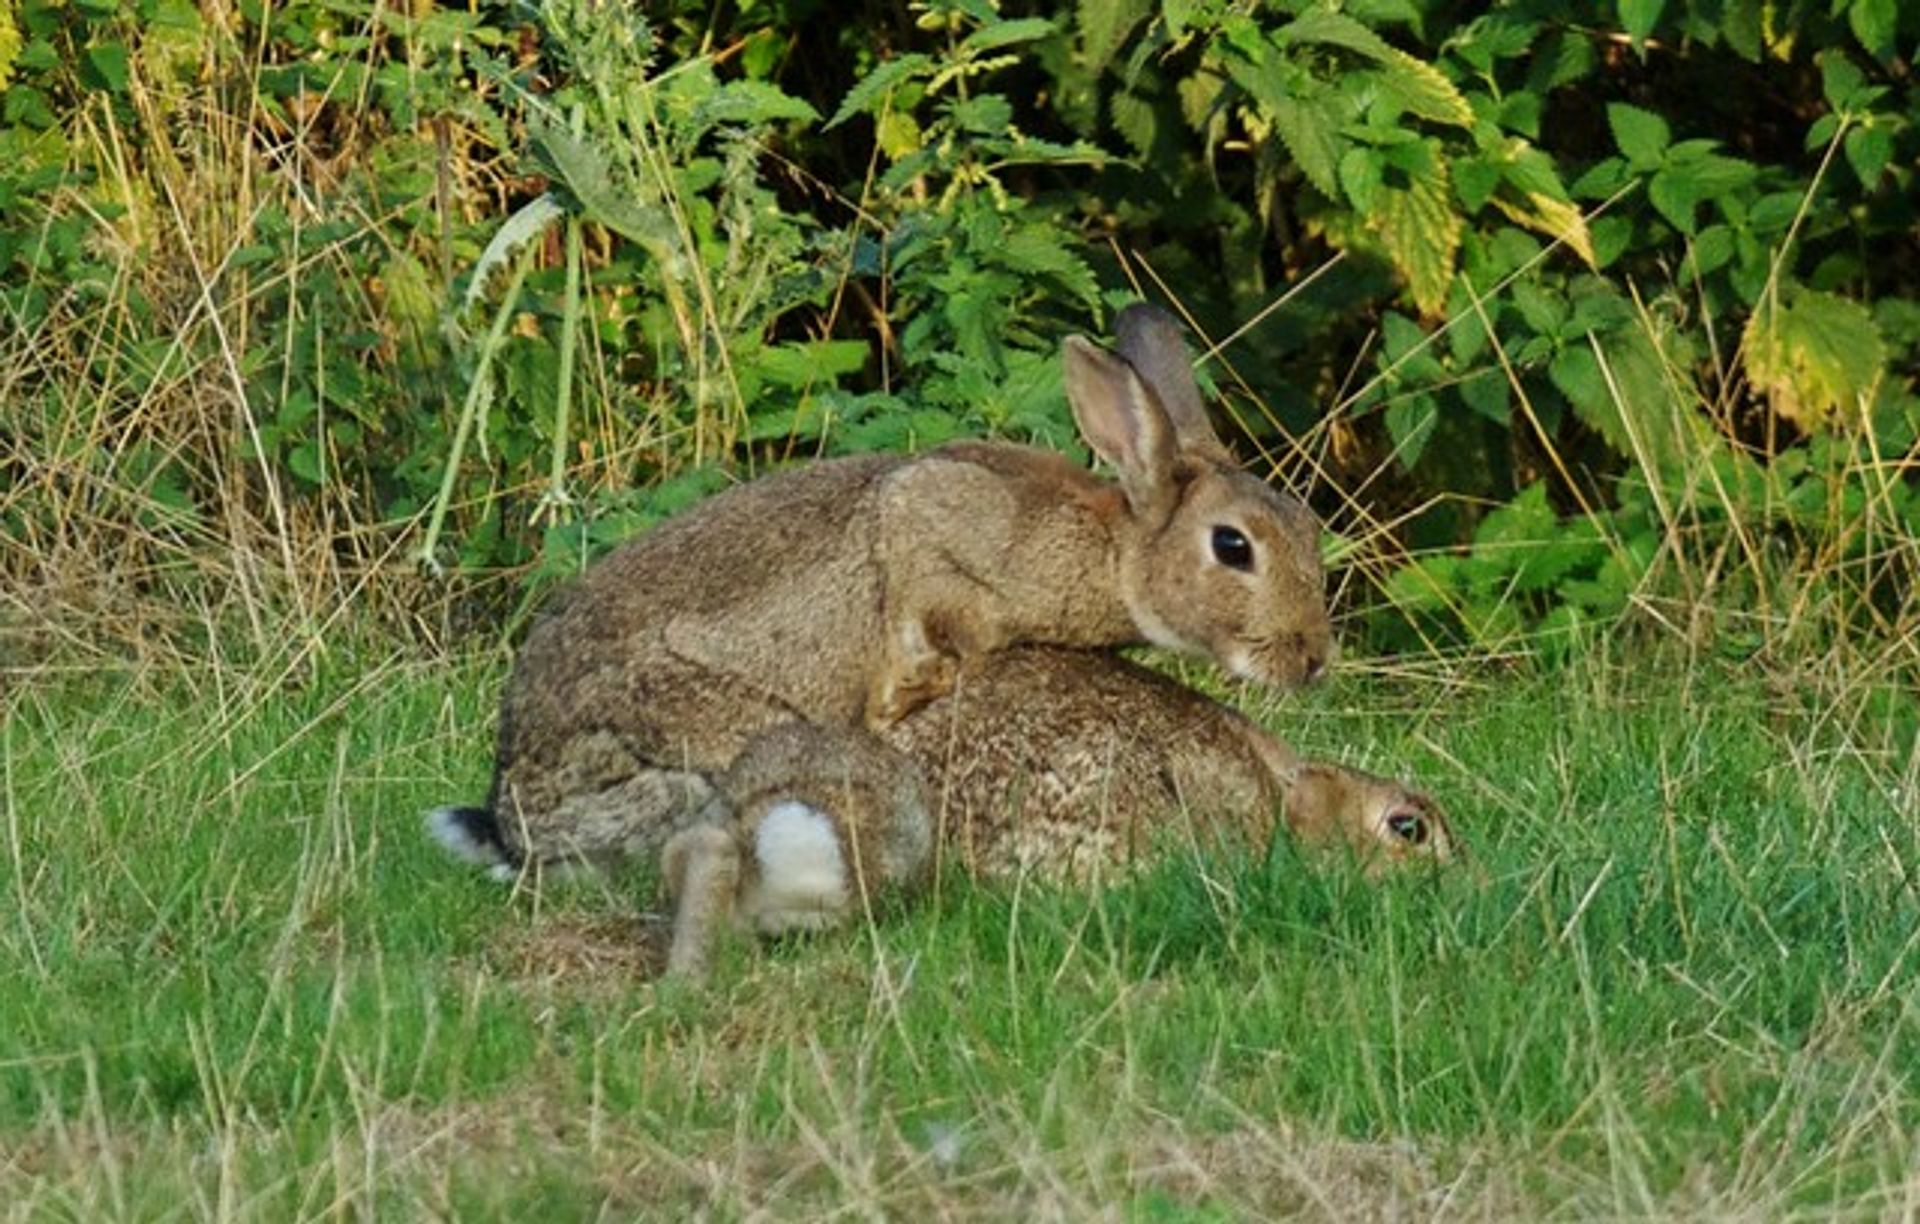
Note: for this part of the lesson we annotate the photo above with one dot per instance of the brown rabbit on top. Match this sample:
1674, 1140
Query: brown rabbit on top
847, 593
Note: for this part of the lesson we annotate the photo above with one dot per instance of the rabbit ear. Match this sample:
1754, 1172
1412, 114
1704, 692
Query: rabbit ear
1150, 340
1122, 420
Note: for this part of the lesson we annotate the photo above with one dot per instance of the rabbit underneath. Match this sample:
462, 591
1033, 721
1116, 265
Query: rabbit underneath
1069, 763
845, 594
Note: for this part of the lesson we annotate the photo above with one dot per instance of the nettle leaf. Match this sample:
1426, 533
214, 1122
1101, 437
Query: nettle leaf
1410, 422
1642, 136
754, 102
870, 94
1868, 151
1305, 114
1423, 90
1815, 356
988, 113
1674, 197
1640, 401
1555, 218
1417, 225
1312, 135
1360, 176
1417, 86
1874, 23
1105, 25
1006, 34
1036, 250
1639, 17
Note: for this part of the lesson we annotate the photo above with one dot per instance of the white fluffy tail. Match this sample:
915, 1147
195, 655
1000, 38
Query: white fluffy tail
472, 836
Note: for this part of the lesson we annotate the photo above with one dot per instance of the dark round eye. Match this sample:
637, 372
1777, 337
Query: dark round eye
1408, 828
1232, 549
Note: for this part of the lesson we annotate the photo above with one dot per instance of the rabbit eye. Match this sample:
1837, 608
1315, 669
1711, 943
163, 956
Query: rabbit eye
1408, 828
1232, 549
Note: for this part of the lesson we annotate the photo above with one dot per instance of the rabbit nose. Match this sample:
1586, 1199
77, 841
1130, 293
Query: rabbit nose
1315, 668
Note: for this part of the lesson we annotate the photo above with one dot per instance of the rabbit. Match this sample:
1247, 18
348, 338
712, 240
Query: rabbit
848, 593
1069, 763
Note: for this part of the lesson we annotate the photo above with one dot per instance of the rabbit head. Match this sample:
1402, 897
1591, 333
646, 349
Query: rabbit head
1212, 560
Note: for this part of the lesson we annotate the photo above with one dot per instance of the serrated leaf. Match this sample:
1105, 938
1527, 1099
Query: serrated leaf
1555, 218
1419, 87
1743, 27
1306, 115
109, 62
1673, 196
1360, 177
1037, 251
1868, 151
1105, 25
1874, 23
585, 171
1420, 231
1475, 179
527, 223
871, 91
1136, 119
1639, 17
1314, 143
1817, 356
1410, 423
986, 113
1423, 90
1840, 79
1334, 29
898, 134
1006, 34
1641, 135
754, 102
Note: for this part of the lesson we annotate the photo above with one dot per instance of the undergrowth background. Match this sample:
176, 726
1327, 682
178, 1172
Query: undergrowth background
1563, 316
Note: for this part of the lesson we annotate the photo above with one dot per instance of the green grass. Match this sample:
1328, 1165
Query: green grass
1679, 977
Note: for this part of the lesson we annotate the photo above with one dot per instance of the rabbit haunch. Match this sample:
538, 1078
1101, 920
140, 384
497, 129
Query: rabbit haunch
847, 593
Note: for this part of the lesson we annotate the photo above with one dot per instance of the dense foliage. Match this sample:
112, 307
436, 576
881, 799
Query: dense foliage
1592, 298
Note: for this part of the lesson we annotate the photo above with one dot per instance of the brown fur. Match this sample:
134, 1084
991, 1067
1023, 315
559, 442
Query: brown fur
849, 593
1071, 762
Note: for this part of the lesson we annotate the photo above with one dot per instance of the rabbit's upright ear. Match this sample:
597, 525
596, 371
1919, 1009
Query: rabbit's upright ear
1150, 340
1123, 422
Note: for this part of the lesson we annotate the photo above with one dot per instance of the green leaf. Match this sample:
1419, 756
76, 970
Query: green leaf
1410, 423
1576, 372
1840, 80
800, 364
1360, 177
1313, 141
1639, 17
1744, 27
109, 63
1105, 25
1418, 87
1868, 151
528, 222
989, 114
1673, 196
755, 102
1420, 230
872, 90
1874, 23
1006, 34
1816, 356
1641, 135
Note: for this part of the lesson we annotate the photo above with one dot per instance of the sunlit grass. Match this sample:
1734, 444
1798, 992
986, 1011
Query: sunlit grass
1677, 976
